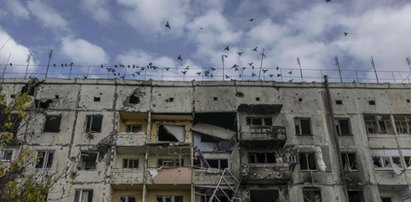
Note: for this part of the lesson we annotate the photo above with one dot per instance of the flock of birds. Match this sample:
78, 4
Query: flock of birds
119, 71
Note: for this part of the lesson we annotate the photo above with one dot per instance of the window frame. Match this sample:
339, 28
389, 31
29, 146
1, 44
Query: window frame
266, 157
79, 167
176, 162
376, 123
298, 126
339, 129
47, 119
129, 162
127, 198
131, 126
3, 154
45, 164
384, 165
78, 195
250, 120
173, 197
89, 123
402, 119
219, 162
307, 154
345, 156
312, 191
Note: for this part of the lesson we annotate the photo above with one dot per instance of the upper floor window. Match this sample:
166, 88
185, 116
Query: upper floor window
44, 159
343, 126
134, 128
6, 154
349, 161
169, 198
83, 195
88, 161
93, 123
255, 157
218, 163
171, 162
130, 163
378, 124
259, 121
52, 123
403, 123
311, 194
307, 161
171, 133
302, 126
127, 199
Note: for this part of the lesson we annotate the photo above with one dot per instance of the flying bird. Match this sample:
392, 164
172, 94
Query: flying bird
101, 66
253, 75
251, 19
265, 70
271, 75
54, 65
179, 58
277, 68
227, 48
226, 76
187, 68
167, 68
239, 53
345, 33
168, 25
278, 75
212, 68
255, 49
290, 72
198, 73
234, 66
184, 72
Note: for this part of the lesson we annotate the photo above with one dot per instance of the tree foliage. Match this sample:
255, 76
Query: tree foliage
18, 179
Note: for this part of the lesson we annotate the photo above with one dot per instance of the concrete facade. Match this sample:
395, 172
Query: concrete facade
146, 141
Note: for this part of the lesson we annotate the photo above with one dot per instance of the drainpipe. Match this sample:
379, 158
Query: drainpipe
334, 136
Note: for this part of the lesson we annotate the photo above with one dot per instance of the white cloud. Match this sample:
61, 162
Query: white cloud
47, 16
98, 8
17, 8
149, 16
18, 53
83, 52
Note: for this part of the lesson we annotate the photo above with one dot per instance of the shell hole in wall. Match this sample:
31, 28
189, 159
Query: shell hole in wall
371, 102
12, 96
300, 99
339, 102
215, 98
97, 99
408, 100
257, 98
57, 96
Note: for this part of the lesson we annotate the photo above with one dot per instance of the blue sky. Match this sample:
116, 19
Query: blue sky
94, 32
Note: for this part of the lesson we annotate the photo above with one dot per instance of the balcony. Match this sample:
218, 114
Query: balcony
263, 136
131, 139
126, 176
278, 173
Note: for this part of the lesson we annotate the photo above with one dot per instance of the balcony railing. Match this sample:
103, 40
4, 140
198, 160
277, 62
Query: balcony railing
275, 134
130, 139
276, 173
126, 176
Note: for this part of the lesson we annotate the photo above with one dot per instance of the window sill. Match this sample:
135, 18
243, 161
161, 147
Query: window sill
304, 135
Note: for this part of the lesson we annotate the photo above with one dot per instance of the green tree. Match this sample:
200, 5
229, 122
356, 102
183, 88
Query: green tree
17, 183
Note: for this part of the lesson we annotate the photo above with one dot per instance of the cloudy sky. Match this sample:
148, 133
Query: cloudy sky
133, 32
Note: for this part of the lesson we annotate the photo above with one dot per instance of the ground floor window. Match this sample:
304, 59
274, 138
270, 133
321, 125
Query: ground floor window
83, 195
355, 196
127, 199
311, 194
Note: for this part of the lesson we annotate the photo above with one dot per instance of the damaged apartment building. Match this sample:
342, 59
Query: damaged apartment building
206, 141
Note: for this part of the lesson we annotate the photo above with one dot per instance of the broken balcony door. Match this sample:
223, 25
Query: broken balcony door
264, 195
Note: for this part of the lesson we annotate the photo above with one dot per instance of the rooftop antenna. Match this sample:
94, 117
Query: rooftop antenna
339, 68
4, 44
408, 60
222, 60
71, 68
261, 64
48, 64
5, 66
301, 70
28, 64
375, 71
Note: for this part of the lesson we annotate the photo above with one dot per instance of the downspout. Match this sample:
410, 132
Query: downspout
334, 136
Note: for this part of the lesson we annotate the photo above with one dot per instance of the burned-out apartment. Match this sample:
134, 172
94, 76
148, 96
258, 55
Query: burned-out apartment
206, 141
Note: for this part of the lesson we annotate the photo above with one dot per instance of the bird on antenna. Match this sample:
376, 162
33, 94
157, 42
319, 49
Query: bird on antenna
255, 49
225, 56
239, 53
250, 64
328, 1
11, 64
212, 68
198, 73
345, 33
227, 48
278, 75
54, 65
62, 65
290, 72
101, 66
226, 76
251, 19
253, 75
271, 75
179, 57
234, 66
168, 25
277, 68
184, 72
187, 68
167, 68
133, 75
265, 70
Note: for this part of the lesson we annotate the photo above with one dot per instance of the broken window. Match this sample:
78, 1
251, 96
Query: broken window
169, 198
13, 119
127, 199
88, 161
218, 163
6, 155
130, 163
312, 194
403, 123
407, 160
378, 124
52, 123
302, 126
94, 123
208, 138
134, 128
97, 99
355, 196
171, 133
259, 121
254, 157
386, 162
343, 126
44, 159
386, 199
264, 195
83, 195
307, 161
170, 162
349, 161
206, 198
